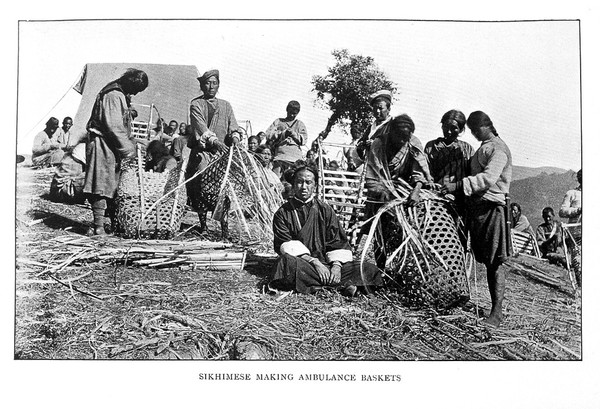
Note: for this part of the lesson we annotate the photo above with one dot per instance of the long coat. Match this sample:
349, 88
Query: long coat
109, 130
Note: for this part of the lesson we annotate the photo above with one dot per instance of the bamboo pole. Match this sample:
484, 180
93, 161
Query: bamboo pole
141, 185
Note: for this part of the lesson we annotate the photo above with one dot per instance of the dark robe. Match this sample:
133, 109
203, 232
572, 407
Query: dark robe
315, 227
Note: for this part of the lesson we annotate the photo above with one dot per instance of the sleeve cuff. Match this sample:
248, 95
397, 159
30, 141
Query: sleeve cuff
341, 255
294, 248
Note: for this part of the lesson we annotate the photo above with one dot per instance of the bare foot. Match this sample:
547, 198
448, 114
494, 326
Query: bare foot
493, 320
96, 231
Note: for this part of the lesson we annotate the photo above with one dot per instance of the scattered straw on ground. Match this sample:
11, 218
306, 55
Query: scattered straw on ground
73, 307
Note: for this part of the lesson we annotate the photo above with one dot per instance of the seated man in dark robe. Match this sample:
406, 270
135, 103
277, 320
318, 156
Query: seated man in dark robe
313, 247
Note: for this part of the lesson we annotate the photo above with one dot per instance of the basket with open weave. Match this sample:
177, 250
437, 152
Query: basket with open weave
425, 256
149, 204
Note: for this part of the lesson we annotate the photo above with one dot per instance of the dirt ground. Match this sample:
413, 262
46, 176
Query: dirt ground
104, 309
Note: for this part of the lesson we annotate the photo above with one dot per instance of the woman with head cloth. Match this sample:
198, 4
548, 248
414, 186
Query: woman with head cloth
313, 247
285, 136
486, 190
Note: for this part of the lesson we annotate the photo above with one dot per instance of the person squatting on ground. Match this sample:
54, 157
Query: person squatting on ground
550, 239
47, 149
69, 177
109, 132
285, 136
519, 222
485, 191
313, 247
213, 128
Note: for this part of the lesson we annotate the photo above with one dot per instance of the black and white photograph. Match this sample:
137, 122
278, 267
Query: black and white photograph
238, 206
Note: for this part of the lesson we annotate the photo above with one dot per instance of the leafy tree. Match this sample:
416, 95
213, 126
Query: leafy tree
346, 88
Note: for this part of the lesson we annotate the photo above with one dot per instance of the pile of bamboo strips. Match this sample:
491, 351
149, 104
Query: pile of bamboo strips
196, 254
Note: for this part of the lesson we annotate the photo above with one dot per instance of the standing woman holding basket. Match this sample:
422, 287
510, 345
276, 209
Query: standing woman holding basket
485, 191
109, 132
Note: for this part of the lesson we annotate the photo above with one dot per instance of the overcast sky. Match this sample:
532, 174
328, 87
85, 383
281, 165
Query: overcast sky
525, 75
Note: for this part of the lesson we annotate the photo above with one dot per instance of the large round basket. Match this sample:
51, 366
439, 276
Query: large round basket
148, 204
435, 276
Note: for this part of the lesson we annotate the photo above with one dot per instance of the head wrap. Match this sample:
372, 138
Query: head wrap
404, 120
384, 93
208, 74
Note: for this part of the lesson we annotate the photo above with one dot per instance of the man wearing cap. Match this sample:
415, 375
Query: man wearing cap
213, 123
381, 102
213, 127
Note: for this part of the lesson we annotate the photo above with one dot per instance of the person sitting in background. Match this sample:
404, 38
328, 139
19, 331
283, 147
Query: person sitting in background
265, 157
549, 238
571, 204
311, 157
175, 126
253, 142
285, 136
63, 134
181, 130
167, 136
158, 158
157, 132
69, 177
313, 249
262, 138
519, 221
571, 209
179, 149
338, 187
351, 155
47, 151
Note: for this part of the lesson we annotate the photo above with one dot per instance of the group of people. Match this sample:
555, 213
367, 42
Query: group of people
313, 247
549, 234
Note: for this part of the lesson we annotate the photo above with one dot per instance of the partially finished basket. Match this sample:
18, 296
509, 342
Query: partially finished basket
148, 204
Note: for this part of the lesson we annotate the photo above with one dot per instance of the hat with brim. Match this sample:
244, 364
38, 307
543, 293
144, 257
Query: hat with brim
384, 93
208, 74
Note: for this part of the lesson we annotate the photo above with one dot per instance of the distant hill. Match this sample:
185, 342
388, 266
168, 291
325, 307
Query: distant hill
524, 172
544, 189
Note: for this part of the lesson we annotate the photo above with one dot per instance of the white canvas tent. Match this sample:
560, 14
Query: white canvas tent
170, 89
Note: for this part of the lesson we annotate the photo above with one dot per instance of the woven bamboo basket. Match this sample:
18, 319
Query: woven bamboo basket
436, 276
148, 204
423, 248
